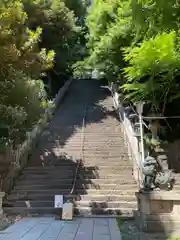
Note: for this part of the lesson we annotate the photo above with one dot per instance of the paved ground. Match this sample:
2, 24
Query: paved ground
46, 228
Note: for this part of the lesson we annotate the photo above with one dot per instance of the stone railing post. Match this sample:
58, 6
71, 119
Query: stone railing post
2, 194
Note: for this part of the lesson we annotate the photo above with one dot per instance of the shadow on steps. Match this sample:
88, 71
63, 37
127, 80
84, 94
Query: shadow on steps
36, 186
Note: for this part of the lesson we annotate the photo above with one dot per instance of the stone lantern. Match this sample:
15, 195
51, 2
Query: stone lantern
154, 126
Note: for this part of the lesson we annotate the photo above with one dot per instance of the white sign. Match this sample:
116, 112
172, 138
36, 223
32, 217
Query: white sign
58, 202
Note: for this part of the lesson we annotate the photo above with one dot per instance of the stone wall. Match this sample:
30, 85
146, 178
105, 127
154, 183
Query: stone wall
17, 158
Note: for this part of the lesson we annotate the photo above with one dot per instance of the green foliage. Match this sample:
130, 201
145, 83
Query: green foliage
21, 61
35, 36
78, 7
153, 16
61, 30
174, 238
109, 31
153, 56
136, 43
154, 67
157, 60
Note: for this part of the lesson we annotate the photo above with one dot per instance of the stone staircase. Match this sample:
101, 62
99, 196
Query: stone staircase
104, 185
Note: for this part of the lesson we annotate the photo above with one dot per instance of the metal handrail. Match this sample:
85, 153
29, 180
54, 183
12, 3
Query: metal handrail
81, 151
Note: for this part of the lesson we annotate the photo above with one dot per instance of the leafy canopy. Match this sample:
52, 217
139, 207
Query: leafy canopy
35, 36
136, 43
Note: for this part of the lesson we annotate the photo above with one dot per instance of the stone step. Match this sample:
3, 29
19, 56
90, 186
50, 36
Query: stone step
78, 181
121, 175
94, 147
87, 170
87, 142
93, 156
98, 132
107, 163
58, 158
50, 162
96, 204
98, 158
106, 126
84, 211
79, 185
96, 197
62, 175
28, 193
87, 163
104, 172
82, 175
95, 144
115, 125
112, 204
93, 153
87, 130
55, 169
89, 139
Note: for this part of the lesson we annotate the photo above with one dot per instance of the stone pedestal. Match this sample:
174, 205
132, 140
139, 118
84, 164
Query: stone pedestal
158, 211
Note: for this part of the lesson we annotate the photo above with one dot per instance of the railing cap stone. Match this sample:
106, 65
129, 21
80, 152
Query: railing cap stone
158, 195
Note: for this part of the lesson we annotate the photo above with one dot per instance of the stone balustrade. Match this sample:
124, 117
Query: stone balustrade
158, 211
130, 137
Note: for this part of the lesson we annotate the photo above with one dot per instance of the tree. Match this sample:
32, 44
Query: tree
136, 43
22, 62
79, 7
60, 19
38, 39
153, 70
109, 31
